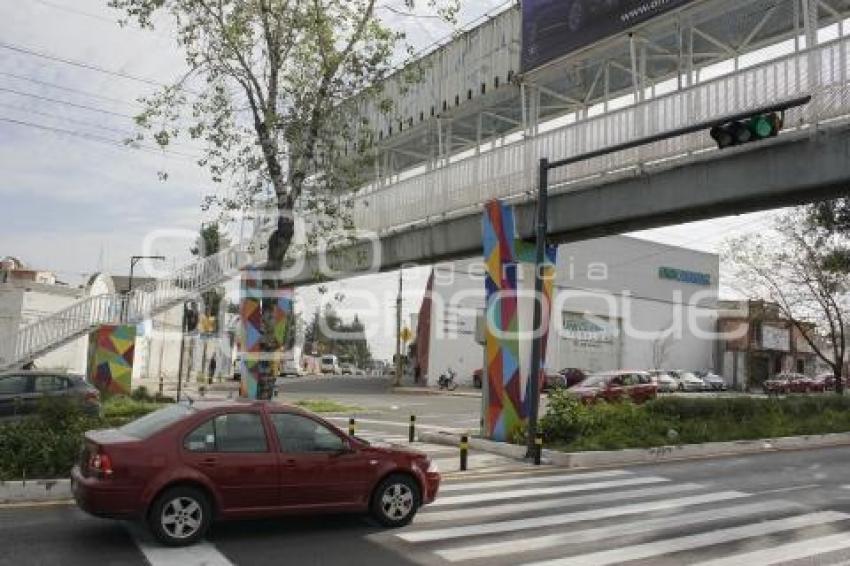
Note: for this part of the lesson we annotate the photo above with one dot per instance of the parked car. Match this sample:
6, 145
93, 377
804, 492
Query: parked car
712, 381
329, 364
346, 368
21, 391
827, 379
778, 385
291, 368
666, 383
616, 386
185, 465
687, 380
574, 376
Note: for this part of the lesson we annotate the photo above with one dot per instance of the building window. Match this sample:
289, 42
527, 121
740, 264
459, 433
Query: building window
801, 366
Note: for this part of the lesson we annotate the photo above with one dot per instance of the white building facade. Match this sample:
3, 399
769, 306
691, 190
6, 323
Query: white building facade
618, 302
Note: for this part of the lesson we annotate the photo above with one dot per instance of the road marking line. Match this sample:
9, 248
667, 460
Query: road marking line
567, 518
600, 533
680, 544
787, 489
533, 481
427, 516
536, 491
786, 552
202, 553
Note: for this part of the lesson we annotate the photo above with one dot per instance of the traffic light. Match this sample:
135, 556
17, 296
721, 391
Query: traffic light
190, 317
755, 128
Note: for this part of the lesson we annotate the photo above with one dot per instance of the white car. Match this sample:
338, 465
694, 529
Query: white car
330, 364
666, 383
688, 381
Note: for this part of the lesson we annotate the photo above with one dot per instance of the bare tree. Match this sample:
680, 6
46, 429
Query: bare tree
790, 266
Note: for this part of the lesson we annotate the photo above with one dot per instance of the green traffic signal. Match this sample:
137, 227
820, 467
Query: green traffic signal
758, 127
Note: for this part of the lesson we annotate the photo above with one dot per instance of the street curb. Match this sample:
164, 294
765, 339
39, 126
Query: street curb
655, 455
429, 391
35, 491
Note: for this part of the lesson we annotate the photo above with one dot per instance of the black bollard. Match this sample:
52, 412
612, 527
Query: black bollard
538, 448
352, 427
464, 451
411, 432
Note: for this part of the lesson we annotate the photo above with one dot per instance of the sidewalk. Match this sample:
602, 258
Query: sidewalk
419, 390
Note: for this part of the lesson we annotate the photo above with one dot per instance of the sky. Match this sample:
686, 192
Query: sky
75, 201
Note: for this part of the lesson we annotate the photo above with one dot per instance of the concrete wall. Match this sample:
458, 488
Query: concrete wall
39, 302
612, 283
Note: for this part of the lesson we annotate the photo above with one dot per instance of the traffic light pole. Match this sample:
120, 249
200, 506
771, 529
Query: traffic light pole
543, 221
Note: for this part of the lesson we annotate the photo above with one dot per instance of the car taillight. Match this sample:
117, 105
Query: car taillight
101, 463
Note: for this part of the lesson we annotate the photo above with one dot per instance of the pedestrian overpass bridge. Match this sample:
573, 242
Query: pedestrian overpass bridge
474, 129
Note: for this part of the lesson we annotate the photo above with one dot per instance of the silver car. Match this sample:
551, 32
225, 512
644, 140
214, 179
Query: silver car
688, 381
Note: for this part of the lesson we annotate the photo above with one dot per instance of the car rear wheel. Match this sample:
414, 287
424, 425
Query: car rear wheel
180, 516
396, 501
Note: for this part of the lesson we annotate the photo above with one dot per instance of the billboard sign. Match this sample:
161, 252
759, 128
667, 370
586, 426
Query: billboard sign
552, 28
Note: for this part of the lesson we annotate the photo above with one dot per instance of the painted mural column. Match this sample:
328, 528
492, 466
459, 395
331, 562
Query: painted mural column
110, 361
508, 312
257, 362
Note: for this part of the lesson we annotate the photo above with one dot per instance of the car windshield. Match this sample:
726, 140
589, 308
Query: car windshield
152, 423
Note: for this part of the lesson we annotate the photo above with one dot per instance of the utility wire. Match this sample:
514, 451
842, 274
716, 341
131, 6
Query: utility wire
80, 64
68, 89
65, 118
66, 103
98, 139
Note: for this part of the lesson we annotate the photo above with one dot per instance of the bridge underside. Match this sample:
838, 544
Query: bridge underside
796, 168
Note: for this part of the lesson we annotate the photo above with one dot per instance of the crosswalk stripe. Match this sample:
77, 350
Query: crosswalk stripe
600, 533
669, 546
428, 516
202, 553
562, 478
536, 491
786, 552
566, 518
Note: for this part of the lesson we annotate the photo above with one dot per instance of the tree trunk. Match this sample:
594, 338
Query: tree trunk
272, 283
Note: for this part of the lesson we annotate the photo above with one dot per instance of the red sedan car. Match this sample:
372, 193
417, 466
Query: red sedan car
186, 465
616, 386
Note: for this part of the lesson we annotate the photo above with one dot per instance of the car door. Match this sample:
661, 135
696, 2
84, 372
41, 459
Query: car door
47, 386
233, 450
13, 390
318, 466
614, 389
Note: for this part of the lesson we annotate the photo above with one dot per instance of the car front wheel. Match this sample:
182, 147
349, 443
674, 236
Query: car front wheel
396, 501
180, 516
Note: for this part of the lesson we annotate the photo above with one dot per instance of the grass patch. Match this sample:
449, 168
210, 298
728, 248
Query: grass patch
326, 406
570, 426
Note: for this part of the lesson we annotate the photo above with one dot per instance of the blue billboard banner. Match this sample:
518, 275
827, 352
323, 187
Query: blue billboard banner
553, 28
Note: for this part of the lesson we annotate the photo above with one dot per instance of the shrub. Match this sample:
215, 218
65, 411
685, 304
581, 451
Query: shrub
688, 420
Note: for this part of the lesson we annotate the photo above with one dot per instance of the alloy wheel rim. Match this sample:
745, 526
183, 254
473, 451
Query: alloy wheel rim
181, 517
397, 501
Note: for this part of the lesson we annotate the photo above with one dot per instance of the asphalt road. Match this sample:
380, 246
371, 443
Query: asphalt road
763, 509
377, 401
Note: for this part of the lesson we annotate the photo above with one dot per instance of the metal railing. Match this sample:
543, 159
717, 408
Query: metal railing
509, 171
59, 328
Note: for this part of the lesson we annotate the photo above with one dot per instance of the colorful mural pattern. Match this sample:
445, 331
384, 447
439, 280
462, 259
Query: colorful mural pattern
110, 364
259, 365
507, 394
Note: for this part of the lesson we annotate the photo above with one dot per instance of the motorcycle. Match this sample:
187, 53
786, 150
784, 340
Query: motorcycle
447, 382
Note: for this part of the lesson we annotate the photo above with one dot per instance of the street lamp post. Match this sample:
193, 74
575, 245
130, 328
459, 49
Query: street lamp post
133, 261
